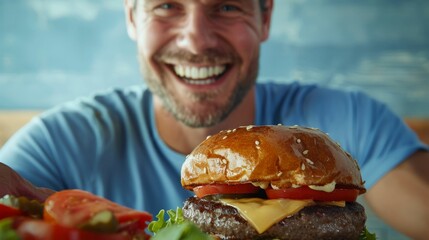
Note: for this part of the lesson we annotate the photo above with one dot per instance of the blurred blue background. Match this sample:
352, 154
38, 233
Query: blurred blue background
52, 51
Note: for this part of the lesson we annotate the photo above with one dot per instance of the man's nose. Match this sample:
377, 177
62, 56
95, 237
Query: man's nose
198, 33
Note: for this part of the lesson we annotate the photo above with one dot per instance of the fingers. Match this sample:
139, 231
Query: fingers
12, 183
41, 194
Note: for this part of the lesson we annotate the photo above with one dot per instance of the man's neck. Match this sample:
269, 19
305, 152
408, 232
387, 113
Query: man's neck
184, 139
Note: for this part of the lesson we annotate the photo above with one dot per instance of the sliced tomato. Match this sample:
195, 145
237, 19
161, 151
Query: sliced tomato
348, 195
6, 211
75, 207
32, 229
211, 189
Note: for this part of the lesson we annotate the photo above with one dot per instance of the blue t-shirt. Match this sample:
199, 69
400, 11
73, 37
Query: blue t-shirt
108, 144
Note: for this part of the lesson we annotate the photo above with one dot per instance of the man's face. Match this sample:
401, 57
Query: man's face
200, 57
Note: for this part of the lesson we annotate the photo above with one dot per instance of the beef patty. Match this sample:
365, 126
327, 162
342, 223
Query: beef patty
314, 222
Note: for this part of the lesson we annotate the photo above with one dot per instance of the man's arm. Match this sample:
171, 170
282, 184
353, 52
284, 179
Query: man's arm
12, 183
401, 197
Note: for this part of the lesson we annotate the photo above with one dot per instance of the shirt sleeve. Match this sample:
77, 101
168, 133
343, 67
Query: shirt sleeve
29, 152
383, 140
53, 149
375, 136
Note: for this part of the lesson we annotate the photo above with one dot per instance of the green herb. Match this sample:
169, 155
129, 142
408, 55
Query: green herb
366, 235
6, 230
183, 231
176, 227
174, 217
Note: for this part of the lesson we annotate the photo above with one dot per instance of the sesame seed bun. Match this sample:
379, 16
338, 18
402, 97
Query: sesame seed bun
276, 156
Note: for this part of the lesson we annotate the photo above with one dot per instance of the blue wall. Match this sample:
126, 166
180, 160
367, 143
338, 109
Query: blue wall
56, 50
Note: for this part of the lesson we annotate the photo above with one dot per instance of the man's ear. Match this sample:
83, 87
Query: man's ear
129, 18
266, 19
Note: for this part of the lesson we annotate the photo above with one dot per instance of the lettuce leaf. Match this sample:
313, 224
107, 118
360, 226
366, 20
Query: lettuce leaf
174, 218
366, 235
175, 228
6, 230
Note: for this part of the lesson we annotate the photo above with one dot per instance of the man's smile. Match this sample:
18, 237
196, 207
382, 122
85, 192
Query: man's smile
199, 75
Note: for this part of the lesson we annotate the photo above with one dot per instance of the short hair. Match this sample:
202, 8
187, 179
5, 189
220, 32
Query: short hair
261, 4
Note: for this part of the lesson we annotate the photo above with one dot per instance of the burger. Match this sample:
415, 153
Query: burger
273, 182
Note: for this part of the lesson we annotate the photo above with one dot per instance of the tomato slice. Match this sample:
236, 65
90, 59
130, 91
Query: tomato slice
211, 189
73, 208
32, 229
348, 195
6, 211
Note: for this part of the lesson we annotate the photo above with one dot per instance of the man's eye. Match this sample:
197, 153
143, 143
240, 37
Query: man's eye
167, 9
228, 8
166, 6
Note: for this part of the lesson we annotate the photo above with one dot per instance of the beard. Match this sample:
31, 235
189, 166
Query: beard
199, 109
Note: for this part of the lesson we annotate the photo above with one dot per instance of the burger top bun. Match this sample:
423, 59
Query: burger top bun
276, 156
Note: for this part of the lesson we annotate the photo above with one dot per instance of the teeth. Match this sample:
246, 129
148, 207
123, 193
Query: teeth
193, 73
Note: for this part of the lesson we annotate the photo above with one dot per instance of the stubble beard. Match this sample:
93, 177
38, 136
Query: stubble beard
208, 112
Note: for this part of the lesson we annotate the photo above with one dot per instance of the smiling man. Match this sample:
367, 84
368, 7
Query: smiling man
200, 61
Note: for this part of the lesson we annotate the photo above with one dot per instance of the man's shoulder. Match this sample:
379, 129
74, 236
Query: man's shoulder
298, 92
112, 98
112, 105
308, 90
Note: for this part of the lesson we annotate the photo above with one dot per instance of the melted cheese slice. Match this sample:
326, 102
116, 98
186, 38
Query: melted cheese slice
262, 213
334, 203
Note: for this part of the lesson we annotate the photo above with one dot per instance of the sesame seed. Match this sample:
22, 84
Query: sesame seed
234, 130
249, 127
279, 124
298, 140
224, 137
305, 152
258, 147
229, 131
294, 126
208, 137
257, 142
279, 174
303, 167
223, 161
309, 161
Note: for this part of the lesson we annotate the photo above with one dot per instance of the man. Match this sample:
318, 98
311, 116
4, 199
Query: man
199, 59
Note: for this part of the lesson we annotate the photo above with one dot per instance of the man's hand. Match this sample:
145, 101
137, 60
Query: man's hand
401, 197
14, 184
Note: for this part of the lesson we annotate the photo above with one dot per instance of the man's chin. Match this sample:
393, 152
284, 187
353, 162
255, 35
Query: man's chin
198, 120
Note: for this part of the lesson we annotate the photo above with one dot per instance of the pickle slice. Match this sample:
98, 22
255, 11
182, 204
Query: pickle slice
102, 222
32, 208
